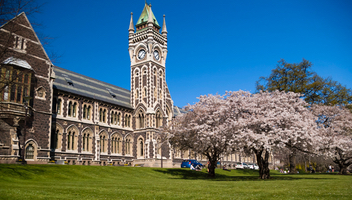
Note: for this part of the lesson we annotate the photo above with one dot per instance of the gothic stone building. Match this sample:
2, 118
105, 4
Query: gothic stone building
56, 114
48, 113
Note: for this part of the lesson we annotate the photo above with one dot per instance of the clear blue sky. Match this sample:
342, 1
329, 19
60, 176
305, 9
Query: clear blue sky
213, 46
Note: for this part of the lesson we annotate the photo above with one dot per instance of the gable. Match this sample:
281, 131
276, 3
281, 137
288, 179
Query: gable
20, 28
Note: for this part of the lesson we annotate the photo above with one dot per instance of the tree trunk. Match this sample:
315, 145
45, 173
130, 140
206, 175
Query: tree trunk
292, 160
343, 168
263, 163
211, 168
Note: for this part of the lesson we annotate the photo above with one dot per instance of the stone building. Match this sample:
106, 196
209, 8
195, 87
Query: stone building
48, 113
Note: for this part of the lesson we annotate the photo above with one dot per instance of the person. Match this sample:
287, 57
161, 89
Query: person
192, 167
224, 168
330, 169
198, 168
208, 166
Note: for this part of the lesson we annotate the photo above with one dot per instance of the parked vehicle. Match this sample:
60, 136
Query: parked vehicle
245, 166
187, 163
238, 165
256, 167
250, 165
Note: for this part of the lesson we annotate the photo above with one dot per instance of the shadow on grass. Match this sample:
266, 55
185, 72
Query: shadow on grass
234, 175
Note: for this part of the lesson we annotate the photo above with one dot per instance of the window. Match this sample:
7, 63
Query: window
71, 139
103, 142
30, 152
118, 119
113, 118
6, 93
56, 138
128, 145
140, 119
102, 115
140, 147
145, 92
127, 120
86, 140
15, 86
158, 119
58, 107
137, 94
72, 109
86, 111
116, 144
20, 43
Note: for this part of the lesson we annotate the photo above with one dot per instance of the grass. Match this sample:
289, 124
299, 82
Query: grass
107, 182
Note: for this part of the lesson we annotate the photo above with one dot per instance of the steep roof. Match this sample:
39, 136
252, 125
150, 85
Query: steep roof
79, 84
147, 10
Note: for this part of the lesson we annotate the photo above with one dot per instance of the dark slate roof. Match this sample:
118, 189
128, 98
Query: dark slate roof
79, 84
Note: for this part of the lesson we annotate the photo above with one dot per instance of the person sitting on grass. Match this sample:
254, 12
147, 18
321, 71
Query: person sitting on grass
224, 168
192, 167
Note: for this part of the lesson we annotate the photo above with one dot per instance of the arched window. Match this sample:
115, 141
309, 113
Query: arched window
85, 112
118, 147
118, 119
140, 119
58, 107
145, 92
137, 94
88, 112
70, 109
103, 142
127, 120
140, 147
100, 115
56, 137
71, 139
115, 144
30, 151
74, 109
86, 140
128, 145
112, 117
158, 119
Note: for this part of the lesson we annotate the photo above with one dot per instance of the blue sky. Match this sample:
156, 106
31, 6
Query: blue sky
213, 46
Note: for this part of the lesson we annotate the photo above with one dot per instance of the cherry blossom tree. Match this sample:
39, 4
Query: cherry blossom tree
204, 129
335, 130
269, 120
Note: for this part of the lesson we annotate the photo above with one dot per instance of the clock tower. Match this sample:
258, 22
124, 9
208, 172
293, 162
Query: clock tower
150, 97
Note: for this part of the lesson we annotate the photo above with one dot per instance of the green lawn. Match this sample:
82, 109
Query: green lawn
107, 182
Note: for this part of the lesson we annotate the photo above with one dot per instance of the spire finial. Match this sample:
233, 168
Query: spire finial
164, 31
131, 28
150, 15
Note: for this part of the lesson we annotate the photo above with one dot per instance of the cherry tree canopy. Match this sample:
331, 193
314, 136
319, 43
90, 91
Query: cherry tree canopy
204, 129
270, 120
335, 133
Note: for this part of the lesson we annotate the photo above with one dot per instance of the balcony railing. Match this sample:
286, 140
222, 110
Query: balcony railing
8, 109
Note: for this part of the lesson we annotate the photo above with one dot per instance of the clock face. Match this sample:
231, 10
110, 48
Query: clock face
156, 54
141, 54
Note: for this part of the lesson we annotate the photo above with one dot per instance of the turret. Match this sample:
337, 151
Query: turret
131, 28
164, 31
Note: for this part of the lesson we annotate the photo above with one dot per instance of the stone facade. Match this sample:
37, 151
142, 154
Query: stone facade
50, 114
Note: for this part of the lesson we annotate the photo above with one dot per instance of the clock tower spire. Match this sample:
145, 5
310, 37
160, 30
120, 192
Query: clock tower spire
150, 95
